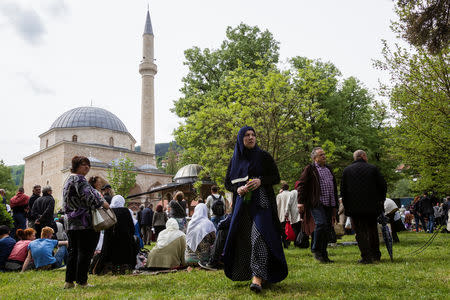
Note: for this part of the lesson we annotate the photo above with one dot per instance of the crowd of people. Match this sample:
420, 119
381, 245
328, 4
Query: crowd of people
245, 236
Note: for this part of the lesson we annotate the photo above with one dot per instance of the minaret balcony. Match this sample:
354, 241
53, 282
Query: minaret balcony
147, 67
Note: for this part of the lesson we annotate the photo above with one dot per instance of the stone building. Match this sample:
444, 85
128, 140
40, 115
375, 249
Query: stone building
100, 135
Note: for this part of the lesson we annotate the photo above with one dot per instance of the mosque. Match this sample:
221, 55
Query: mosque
102, 137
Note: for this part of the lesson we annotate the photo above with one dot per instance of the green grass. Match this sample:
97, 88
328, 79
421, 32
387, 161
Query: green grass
423, 276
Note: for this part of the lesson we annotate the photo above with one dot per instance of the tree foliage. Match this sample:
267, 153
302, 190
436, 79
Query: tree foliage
424, 23
292, 110
122, 176
6, 181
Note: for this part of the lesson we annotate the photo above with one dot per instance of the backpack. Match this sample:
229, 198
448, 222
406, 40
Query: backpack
218, 206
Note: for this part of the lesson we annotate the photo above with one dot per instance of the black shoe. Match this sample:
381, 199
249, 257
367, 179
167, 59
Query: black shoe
319, 257
365, 261
328, 260
255, 288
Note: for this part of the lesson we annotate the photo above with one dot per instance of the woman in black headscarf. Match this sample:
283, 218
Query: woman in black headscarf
253, 248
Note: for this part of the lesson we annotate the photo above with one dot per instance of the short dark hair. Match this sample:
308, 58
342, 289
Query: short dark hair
21, 189
179, 196
4, 229
36, 186
77, 161
285, 187
214, 189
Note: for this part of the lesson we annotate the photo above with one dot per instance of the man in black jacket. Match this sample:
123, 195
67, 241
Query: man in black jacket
42, 211
33, 198
363, 190
146, 223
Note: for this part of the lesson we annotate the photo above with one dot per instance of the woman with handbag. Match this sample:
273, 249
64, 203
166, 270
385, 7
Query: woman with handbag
79, 199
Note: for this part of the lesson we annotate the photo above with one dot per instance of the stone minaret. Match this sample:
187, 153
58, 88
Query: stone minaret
147, 68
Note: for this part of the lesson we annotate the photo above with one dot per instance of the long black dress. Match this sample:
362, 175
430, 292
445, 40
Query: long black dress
253, 246
119, 248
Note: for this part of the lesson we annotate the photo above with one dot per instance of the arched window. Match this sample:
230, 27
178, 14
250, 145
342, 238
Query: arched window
74, 138
111, 141
42, 167
46, 143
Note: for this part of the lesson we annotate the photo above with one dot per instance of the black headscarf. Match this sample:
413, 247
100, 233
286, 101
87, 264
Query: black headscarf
244, 159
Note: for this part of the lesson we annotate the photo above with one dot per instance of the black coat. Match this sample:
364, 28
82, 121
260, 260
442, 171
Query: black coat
147, 217
363, 189
43, 209
426, 205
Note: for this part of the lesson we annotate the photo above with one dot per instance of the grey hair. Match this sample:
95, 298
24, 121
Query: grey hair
46, 189
314, 152
358, 154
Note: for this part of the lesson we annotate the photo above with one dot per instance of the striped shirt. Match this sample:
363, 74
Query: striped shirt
326, 186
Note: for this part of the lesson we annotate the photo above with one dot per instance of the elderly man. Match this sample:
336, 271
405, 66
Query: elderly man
363, 192
317, 192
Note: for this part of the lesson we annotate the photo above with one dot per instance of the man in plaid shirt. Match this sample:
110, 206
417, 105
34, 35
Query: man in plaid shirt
317, 193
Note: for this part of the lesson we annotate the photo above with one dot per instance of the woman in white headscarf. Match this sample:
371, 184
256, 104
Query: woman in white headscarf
119, 249
200, 236
168, 252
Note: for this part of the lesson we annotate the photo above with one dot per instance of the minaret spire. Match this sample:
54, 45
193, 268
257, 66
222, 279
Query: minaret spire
148, 70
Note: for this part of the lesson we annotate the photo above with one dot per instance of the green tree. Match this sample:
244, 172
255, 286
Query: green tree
5, 217
6, 181
424, 23
122, 176
172, 160
402, 188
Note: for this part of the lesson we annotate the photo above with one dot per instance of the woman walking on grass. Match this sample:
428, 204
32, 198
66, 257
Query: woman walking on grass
253, 248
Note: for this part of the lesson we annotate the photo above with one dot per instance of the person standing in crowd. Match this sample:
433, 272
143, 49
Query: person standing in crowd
178, 210
146, 224
426, 207
41, 252
18, 205
139, 216
159, 220
317, 192
253, 249
293, 214
363, 192
200, 236
3, 196
107, 193
42, 212
79, 197
415, 210
33, 198
6, 245
216, 205
119, 249
282, 208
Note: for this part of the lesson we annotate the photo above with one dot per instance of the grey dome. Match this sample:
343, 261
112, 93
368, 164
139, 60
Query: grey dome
188, 173
89, 117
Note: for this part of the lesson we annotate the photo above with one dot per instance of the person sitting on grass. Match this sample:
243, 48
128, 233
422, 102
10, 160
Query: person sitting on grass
6, 245
216, 260
19, 252
168, 252
41, 251
200, 236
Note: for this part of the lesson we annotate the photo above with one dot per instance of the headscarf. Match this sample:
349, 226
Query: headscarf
168, 235
199, 226
243, 158
119, 201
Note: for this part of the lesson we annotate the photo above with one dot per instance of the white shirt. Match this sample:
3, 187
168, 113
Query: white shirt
282, 204
294, 215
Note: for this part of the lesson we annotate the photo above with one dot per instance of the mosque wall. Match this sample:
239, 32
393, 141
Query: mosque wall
92, 135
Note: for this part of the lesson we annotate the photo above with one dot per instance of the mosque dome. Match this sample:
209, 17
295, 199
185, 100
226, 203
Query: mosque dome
188, 173
89, 116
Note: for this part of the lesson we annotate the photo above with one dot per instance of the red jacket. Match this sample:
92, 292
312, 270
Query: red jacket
20, 199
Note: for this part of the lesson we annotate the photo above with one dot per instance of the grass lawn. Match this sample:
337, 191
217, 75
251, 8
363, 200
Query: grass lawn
423, 276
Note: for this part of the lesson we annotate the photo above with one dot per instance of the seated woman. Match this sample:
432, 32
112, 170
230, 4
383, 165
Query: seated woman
168, 252
200, 236
119, 250
19, 252
41, 251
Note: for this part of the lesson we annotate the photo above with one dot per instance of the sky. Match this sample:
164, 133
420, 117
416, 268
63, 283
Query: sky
58, 54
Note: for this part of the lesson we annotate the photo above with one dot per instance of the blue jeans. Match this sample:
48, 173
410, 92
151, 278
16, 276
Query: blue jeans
322, 218
216, 220
60, 256
430, 222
